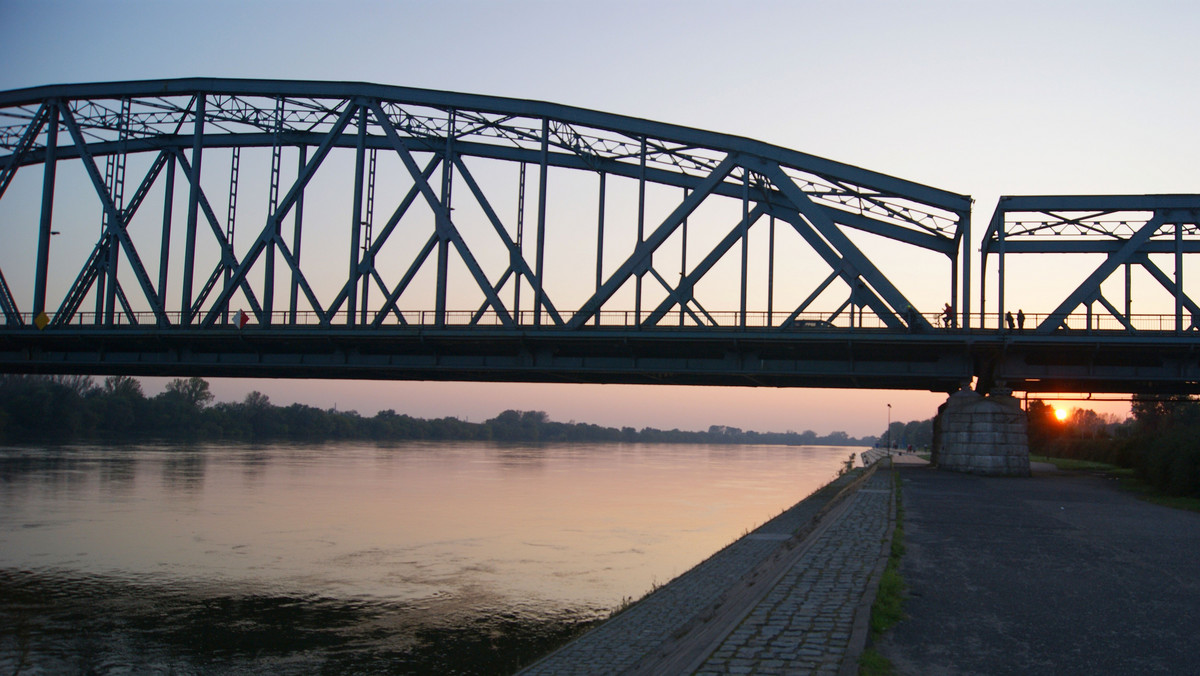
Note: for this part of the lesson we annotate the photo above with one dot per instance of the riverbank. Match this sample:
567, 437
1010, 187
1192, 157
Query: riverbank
792, 594
1061, 573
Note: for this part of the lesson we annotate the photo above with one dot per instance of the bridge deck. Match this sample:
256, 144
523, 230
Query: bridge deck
938, 360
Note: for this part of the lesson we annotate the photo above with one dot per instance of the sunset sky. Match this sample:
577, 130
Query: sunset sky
977, 98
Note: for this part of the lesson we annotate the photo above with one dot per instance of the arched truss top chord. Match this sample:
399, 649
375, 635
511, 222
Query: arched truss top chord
435, 135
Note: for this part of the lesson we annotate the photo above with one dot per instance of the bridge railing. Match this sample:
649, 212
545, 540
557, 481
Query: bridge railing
614, 319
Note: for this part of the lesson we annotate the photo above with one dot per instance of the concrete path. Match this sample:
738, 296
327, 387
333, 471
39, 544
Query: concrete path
1060, 573
790, 597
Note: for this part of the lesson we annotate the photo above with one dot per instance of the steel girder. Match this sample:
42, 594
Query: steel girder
1125, 229
440, 138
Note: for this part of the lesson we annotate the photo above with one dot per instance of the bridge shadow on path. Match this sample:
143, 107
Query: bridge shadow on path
1061, 573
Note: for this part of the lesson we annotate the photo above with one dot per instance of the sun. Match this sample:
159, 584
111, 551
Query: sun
1060, 413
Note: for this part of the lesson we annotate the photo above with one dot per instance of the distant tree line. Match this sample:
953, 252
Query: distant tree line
71, 408
1160, 441
915, 433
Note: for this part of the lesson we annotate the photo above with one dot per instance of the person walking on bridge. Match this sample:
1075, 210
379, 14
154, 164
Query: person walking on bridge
1008, 318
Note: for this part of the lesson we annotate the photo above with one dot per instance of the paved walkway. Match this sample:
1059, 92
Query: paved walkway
791, 597
1061, 573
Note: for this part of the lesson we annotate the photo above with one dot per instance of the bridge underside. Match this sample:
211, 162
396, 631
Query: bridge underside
940, 362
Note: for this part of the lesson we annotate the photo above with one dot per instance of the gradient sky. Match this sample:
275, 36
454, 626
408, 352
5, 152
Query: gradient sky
980, 98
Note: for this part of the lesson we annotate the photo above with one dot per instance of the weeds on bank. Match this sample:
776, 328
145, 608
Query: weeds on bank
887, 611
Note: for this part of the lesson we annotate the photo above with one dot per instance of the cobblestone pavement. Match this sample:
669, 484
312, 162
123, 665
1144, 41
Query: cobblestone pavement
803, 623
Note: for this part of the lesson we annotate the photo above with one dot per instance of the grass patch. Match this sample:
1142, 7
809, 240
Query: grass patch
1128, 481
887, 610
871, 663
1072, 464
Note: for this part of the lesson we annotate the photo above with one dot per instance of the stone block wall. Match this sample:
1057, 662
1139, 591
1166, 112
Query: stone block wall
981, 435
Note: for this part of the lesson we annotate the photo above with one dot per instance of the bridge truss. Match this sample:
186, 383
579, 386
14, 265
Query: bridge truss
436, 136
320, 229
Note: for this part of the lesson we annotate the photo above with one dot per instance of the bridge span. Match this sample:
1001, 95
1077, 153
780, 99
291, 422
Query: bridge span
346, 230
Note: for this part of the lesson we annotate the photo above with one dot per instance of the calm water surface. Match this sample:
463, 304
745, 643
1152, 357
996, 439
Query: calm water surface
351, 557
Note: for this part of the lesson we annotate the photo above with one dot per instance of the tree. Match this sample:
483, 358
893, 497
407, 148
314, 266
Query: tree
123, 386
194, 391
1153, 413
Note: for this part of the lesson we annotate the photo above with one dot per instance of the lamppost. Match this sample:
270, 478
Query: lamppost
889, 431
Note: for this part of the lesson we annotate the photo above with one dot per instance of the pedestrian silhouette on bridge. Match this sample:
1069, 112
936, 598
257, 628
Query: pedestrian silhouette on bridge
1020, 320
1009, 319
948, 316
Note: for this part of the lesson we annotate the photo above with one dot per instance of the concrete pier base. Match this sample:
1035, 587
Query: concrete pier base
981, 435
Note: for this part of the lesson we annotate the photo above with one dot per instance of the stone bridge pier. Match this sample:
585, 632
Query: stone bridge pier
981, 435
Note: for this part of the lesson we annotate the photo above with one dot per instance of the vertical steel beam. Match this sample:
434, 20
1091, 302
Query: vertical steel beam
356, 221
541, 224
600, 239
771, 273
1000, 277
964, 244
235, 161
1129, 292
520, 242
48, 180
683, 255
189, 245
641, 234
368, 223
272, 204
165, 243
745, 244
297, 228
443, 229
1179, 327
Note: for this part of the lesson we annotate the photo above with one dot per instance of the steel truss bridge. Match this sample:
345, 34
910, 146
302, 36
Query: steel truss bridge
343, 230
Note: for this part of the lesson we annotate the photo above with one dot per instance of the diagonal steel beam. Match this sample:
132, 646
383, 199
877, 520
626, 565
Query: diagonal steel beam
81, 286
812, 297
367, 264
386, 291
446, 229
228, 257
116, 223
1090, 286
1167, 283
390, 304
1116, 313
846, 250
718, 252
838, 265
293, 262
270, 231
11, 314
641, 254
517, 262
17, 157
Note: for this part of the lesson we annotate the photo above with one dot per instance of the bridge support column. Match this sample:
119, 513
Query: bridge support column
981, 435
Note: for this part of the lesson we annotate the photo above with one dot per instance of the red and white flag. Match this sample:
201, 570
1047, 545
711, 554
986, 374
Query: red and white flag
242, 318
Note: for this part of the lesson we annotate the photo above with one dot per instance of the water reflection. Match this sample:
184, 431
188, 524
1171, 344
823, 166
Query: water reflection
341, 556
183, 471
117, 472
57, 623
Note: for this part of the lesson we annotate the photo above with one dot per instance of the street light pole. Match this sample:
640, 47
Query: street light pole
889, 430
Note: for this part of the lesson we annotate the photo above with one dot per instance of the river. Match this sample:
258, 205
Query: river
423, 558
